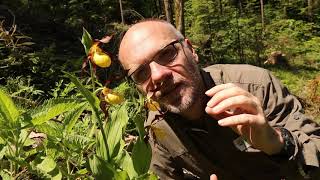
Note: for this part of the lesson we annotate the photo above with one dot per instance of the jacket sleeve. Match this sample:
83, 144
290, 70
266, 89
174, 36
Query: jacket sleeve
284, 110
163, 164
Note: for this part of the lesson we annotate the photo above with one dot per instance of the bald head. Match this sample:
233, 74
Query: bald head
144, 39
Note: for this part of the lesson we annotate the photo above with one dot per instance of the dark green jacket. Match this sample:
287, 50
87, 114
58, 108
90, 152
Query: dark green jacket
183, 150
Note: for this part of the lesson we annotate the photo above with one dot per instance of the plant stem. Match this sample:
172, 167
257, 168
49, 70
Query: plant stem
68, 167
92, 76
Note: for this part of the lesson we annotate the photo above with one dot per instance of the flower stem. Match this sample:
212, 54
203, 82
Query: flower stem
92, 76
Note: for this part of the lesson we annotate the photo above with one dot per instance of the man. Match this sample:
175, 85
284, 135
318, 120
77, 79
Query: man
234, 121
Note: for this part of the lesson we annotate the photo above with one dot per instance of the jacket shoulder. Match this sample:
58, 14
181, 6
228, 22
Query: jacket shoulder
238, 73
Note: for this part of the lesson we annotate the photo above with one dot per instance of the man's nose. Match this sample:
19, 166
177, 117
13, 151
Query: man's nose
159, 73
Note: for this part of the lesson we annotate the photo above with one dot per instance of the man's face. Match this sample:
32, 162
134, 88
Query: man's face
162, 65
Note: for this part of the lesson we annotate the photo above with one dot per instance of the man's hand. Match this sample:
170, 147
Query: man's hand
236, 108
213, 177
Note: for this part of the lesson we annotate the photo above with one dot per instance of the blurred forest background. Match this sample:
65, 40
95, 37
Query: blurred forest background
40, 39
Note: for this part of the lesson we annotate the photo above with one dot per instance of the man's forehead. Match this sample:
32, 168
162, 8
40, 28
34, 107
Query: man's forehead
145, 38
149, 32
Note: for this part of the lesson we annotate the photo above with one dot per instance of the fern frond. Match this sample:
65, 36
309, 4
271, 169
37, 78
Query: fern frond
75, 142
72, 116
52, 129
51, 109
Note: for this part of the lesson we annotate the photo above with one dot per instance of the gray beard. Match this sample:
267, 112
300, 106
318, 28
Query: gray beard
185, 102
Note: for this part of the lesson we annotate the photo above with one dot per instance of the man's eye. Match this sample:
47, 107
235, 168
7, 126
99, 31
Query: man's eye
141, 74
166, 55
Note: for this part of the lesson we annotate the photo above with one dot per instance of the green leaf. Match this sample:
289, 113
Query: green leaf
51, 109
49, 167
94, 103
127, 165
72, 117
139, 122
147, 176
115, 129
2, 141
3, 151
82, 172
153, 176
121, 175
100, 168
47, 164
141, 156
51, 129
102, 149
91, 98
5, 176
8, 111
77, 142
86, 41
26, 44
103, 170
23, 138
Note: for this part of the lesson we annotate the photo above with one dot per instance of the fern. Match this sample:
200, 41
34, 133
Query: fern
51, 129
51, 109
72, 116
78, 142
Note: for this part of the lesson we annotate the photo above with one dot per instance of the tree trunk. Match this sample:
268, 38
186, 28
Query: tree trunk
262, 14
179, 15
168, 10
121, 12
313, 5
220, 7
240, 49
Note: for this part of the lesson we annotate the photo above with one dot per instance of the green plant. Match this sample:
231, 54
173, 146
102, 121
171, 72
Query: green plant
111, 159
17, 154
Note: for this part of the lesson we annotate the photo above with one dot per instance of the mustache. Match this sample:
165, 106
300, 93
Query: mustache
163, 90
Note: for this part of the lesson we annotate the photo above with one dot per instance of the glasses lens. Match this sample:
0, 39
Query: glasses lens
141, 74
163, 57
166, 55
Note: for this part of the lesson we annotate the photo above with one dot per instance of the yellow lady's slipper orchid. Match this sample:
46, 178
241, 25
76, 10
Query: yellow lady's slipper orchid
101, 59
153, 105
112, 97
106, 91
98, 56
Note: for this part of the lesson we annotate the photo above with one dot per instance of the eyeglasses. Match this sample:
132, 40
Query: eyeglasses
164, 57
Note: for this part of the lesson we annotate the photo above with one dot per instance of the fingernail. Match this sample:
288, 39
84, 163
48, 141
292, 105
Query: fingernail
214, 109
221, 122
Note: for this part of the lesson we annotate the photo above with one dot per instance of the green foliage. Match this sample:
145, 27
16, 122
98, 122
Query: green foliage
16, 137
8, 111
86, 41
51, 109
141, 156
81, 135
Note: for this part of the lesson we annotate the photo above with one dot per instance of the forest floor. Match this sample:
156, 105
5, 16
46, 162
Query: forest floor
304, 82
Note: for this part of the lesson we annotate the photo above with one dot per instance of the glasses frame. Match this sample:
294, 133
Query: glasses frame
147, 63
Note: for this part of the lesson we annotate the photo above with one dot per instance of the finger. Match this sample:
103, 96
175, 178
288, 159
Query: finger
226, 93
213, 177
241, 119
217, 116
238, 104
218, 88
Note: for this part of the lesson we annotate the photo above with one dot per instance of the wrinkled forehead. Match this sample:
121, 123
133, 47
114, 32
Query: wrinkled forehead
142, 41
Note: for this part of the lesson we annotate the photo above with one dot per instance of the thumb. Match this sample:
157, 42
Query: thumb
213, 177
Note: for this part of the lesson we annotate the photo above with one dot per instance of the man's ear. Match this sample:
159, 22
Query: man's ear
195, 55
